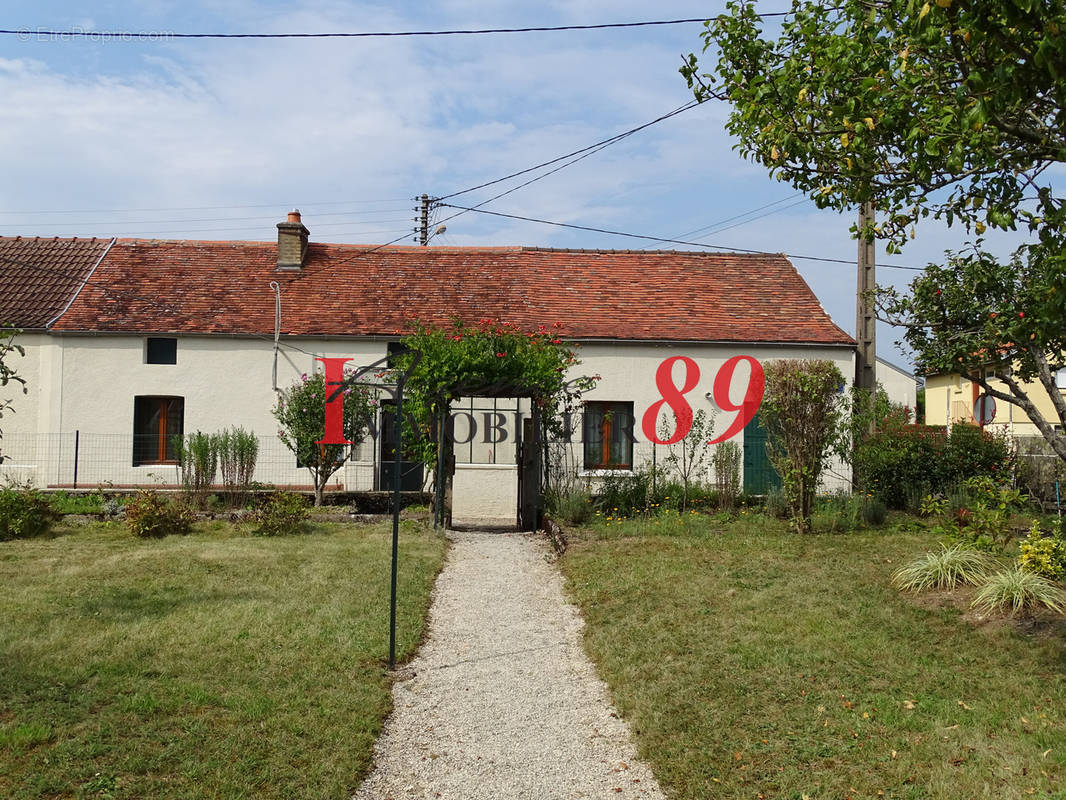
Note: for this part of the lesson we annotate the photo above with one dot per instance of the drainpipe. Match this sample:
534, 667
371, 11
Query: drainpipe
277, 330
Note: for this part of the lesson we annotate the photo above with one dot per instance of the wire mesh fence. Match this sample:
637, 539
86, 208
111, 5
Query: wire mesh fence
77, 459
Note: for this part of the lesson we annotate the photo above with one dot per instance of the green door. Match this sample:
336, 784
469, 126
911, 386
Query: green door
759, 475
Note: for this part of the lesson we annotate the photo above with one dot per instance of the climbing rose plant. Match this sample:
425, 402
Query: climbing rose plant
489, 358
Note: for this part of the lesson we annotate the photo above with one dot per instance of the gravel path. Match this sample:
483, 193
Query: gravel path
501, 701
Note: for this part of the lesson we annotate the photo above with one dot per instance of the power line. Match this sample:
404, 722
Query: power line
220, 208
361, 254
129, 232
611, 140
670, 241
739, 216
583, 153
758, 216
526, 183
162, 36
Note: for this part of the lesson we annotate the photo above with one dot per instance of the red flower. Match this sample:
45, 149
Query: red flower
1021, 315
500, 355
457, 338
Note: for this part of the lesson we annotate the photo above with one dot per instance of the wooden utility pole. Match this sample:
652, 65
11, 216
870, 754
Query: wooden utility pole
423, 222
865, 320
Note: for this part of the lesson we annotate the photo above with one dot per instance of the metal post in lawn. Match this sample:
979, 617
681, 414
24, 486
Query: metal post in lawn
438, 481
77, 436
397, 440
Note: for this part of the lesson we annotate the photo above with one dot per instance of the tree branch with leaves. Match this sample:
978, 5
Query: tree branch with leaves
952, 109
301, 412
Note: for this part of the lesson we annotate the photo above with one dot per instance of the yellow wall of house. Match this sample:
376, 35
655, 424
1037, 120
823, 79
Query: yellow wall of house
952, 397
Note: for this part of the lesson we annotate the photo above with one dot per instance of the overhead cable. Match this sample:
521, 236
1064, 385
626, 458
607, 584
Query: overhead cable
669, 241
162, 36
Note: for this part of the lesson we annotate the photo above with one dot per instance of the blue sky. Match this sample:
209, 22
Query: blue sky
216, 139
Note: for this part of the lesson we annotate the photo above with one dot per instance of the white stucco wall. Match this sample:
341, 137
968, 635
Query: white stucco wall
900, 386
24, 414
88, 384
28, 415
628, 372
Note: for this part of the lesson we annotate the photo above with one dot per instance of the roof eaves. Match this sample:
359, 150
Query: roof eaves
761, 342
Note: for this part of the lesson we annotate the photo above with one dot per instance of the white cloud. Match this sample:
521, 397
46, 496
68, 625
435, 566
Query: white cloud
243, 123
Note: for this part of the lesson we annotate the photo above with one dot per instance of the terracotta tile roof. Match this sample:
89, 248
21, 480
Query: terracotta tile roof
38, 277
351, 290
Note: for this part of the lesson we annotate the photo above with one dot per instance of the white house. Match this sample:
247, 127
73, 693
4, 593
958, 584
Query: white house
145, 339
900, 385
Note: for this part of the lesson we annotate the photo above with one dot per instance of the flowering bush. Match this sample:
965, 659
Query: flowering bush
486, 359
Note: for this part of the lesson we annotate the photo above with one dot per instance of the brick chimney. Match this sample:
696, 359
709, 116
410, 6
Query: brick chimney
292, 242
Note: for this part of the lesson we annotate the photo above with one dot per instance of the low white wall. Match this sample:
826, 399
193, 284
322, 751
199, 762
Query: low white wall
485, 492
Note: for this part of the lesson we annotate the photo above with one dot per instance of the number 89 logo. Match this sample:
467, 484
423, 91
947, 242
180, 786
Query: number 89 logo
674, 397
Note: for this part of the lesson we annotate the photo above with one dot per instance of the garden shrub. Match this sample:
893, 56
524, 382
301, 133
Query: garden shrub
238, 451
900, 463
24, 512
803, 413
283, 514
624, 493
726, 461
984, 523
198, 456
151, 516
1043, 553
973, 451
573, 507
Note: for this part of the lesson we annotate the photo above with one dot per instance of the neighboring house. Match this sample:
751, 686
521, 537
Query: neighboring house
169, 337
900, 386
950, 399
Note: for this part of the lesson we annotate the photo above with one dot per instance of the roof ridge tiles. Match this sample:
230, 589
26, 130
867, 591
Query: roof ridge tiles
698, 253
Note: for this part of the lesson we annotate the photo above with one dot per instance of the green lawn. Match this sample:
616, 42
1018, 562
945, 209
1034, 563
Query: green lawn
213, 665
754, 663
